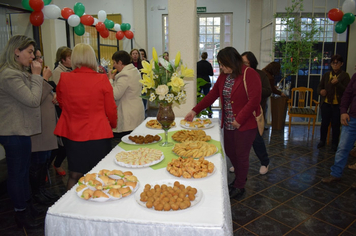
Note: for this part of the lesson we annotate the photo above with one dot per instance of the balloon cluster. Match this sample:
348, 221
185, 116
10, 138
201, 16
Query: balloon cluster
75, 18
345, 17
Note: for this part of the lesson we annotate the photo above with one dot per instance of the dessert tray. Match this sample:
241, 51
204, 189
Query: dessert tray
139, 139
195, 149
197, 123
142, 157
168, 195
190, 168
106, 185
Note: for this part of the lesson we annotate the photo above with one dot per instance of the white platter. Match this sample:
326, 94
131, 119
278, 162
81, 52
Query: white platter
206, 126
126, 139
111, 198
209, 174
138, 166
170, 183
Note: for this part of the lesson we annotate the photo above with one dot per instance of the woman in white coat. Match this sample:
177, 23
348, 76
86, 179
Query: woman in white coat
127, 92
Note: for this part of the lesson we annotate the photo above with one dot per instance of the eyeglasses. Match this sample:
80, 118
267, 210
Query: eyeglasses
36, 58
335, 62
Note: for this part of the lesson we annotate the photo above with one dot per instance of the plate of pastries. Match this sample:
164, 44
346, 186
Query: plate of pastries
142, 157
190, 168
198, 123
106, 185
138, 139
168, 195
194, 149
190, 135
154, 124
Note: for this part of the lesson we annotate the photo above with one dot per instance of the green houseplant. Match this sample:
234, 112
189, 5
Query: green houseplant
297, 50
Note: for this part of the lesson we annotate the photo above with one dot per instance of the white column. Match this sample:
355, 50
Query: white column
182, 18
140, 24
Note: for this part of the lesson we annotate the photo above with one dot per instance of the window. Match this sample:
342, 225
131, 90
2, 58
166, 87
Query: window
327, 26
165, 33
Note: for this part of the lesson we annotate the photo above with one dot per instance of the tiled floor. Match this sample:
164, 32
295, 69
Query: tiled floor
289, 200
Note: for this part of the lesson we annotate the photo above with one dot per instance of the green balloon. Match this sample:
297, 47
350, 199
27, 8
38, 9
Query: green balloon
79, 29
79, 9
340, 27
26, 5
123, 27
109, 24
128, 26
46, 2
348, 18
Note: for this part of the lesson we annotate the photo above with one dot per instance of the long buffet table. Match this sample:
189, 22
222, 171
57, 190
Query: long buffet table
71, 215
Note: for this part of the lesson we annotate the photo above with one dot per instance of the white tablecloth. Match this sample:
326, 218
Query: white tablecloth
71, 215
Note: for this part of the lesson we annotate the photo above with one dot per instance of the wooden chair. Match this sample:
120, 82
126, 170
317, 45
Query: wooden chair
298, 105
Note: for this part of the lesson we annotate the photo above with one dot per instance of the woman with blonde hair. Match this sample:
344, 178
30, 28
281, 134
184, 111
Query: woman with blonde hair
88, 113
20, 115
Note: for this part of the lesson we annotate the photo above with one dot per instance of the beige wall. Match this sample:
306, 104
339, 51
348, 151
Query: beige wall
351, 56
140, 23
254, 25
181, 14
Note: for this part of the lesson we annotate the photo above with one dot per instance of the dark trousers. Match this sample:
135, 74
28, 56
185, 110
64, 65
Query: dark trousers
237, 146
18, 159
260, 149
330, 113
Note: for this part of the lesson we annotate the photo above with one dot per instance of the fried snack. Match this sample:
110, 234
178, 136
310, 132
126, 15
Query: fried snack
154, 124
113, 71
89, 177
190, 135
30, 61
88, 193
116, 172
131, 178
177, 198
190, 168
197, 123
141, 156
132, 184
195, 149
126, 191
144, 139
81, 187
99, 194
115, 193
103, 172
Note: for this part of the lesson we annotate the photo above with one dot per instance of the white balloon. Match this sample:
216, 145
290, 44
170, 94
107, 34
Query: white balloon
51, 11
117, 27
102, 15
73, 20
95, 21
349, 6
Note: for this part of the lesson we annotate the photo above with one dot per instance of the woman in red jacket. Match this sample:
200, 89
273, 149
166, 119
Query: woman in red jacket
88, 113
238, 121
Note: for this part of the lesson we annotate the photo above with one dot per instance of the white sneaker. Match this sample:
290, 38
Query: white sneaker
232, 169
264, 170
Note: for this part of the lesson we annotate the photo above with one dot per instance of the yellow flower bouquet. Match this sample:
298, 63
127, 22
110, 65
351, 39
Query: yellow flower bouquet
163, 80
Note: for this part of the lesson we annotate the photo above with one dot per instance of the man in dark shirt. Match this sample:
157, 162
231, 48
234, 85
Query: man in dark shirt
348, 132
204, 70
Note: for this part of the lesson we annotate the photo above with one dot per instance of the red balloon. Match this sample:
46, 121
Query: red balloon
87, 20
100, 26
120, 35
105, 33
36, 18
36, 5
129, 34
335, 14
67, 12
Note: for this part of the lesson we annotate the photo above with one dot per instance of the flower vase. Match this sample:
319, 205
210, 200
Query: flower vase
165, 117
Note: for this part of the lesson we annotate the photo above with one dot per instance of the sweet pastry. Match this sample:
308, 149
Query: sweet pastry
190, 168
190, 135
154, 124
195, 149
81, 187
88, 193
139, 139
141, 156
99, 194
197, 123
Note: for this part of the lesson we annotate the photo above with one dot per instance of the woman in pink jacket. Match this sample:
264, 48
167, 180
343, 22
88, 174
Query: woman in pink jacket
238, 121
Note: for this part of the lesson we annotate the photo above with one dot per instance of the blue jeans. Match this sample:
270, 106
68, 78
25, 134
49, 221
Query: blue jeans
18, 159
347, 140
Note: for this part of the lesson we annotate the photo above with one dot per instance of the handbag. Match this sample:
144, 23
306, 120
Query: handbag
260, 119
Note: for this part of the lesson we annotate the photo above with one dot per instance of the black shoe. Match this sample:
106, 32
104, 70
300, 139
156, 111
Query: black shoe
236, 193
25, 219
321, 144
